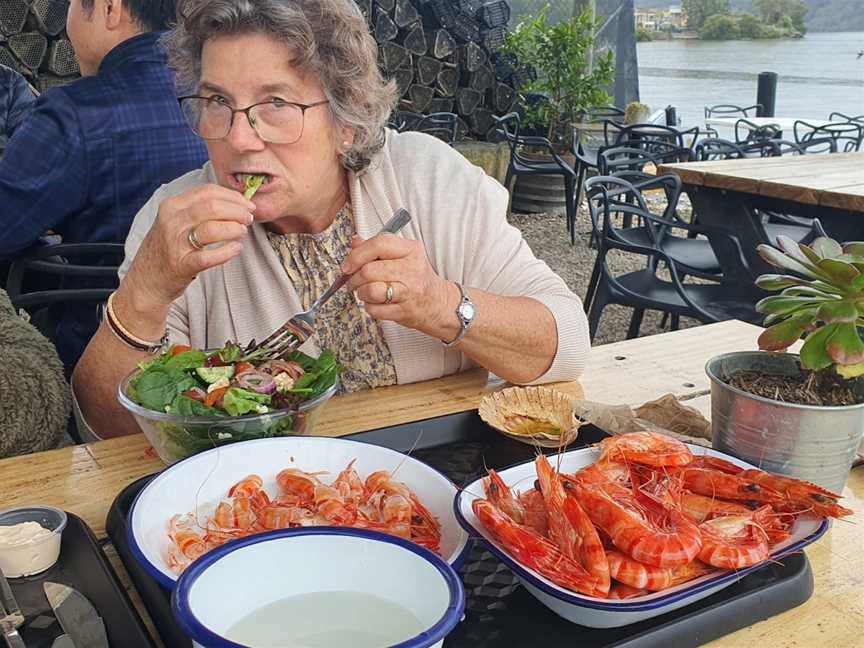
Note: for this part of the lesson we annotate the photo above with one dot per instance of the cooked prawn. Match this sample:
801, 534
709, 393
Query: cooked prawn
535, 510
648, 448
570, 527
533, 550
637, 574
800, 496
735, 541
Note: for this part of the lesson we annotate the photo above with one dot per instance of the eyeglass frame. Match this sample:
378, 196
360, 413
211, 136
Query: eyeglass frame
303, 108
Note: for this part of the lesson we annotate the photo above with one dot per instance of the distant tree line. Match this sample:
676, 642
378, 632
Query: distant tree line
714, 20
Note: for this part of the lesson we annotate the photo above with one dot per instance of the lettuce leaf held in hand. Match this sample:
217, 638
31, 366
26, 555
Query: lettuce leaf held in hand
253, 184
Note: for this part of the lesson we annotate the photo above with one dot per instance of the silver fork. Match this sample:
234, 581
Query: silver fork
299, 328
10, 615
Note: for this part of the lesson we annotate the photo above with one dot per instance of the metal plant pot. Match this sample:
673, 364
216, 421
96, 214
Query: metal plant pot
809, 442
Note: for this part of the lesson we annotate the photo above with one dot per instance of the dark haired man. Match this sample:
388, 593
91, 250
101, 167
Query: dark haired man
92, 152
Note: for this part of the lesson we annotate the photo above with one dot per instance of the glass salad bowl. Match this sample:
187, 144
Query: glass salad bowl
180, 432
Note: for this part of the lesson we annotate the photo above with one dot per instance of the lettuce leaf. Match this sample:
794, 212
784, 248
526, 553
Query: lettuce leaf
238, 402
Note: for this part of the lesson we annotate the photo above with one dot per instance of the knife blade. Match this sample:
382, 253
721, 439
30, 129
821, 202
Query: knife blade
77, 616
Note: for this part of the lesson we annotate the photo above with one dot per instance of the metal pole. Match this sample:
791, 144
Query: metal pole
766, 94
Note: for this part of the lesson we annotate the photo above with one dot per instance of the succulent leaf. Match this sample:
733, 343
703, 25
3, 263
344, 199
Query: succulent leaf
781, 336
854, 247
837, 311
826, 248
813, 353
845, 346
850, 371
783, 305
839, 271
778, 259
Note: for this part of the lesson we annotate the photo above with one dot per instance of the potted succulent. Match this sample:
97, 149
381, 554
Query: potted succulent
799, 414
561, 84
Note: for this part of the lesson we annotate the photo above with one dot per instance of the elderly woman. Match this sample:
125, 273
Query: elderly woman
291, 90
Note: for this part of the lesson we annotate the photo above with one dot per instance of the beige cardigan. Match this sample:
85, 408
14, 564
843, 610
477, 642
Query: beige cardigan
457, 211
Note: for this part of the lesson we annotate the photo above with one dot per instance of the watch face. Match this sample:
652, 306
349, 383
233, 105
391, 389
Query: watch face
466, 311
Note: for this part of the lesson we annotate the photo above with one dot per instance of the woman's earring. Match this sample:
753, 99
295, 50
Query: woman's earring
346, 144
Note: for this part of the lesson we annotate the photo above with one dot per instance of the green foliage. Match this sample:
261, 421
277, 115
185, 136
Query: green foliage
560, 54
719, 27
750, 27
786, 14
823, 298
643, 35
835, 15
698, 11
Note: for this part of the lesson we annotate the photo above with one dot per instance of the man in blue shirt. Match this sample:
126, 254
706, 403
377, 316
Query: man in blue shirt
92, 152
16, 99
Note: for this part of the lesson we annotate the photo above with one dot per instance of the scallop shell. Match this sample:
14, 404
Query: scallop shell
534, 415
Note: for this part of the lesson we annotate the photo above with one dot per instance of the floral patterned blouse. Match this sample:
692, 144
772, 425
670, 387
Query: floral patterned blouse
312, 262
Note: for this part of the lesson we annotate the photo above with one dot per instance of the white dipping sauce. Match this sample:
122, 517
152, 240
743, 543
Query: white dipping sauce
27, 548
327, 620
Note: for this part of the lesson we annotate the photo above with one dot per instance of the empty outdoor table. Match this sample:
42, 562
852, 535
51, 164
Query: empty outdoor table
727, 194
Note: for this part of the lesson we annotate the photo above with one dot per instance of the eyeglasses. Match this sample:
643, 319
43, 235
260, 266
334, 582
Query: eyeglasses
275, 121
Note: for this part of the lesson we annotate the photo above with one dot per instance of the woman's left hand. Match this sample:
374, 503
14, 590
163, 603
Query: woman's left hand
420, 299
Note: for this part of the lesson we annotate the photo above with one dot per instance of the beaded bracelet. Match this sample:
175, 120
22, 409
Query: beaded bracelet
129, 339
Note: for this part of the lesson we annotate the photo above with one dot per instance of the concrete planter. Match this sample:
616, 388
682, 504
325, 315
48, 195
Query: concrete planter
814, 443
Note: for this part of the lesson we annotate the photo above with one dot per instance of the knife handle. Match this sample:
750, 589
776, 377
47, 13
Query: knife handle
14, 640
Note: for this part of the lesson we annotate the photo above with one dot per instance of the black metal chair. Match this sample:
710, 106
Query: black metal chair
641, 290
402, 120
746, 131
651, 133
731, 110
600, 113
838, 116
443, 125
74, 267
522, 164
841, 137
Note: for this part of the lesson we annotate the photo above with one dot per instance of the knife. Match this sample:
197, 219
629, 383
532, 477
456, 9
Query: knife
77, 616
10, 615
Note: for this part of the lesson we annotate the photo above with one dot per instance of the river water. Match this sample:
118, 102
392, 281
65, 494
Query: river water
818, 74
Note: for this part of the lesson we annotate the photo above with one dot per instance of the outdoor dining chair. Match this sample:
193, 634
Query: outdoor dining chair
65, 267
443, 125
846, 137
840, 117
731, 110
645, 289
746, 131
547, 162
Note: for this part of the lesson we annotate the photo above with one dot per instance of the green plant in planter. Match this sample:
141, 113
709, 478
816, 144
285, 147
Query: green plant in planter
823, 298
635, 112
561, 56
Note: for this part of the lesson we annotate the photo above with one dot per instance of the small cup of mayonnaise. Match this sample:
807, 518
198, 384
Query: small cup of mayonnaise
30, 539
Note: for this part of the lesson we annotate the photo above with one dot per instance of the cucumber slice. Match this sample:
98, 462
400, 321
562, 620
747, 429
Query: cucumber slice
211, 375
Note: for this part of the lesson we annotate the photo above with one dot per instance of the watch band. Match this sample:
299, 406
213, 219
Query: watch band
465, 323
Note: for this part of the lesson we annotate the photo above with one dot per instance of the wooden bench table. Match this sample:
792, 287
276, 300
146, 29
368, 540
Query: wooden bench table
85, 479
726, 194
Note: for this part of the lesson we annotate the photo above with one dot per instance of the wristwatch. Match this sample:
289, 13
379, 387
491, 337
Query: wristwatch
465, 311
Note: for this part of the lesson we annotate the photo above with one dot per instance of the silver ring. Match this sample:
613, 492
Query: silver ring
388, 296
192, 237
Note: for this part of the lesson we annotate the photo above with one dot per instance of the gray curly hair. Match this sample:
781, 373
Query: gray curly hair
328, 38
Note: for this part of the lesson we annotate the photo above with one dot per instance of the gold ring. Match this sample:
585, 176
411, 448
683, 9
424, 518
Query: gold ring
388, 296
192, 237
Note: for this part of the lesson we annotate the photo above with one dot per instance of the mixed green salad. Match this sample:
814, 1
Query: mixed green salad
227, 382
225, 390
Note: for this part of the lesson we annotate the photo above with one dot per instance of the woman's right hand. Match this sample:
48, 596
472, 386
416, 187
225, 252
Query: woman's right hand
167, 262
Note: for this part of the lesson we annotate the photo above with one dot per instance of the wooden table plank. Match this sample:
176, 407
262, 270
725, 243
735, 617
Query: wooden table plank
808, 179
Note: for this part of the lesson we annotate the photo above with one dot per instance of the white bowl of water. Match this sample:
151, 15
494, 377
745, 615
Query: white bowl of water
318, 587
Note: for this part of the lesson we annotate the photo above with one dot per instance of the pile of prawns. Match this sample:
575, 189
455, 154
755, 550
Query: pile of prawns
379, 503
646, 516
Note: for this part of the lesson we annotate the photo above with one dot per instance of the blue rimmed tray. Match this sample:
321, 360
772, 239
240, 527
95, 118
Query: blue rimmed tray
500, 612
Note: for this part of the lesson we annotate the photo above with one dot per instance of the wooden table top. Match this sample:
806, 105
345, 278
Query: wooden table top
85, 479
835, 180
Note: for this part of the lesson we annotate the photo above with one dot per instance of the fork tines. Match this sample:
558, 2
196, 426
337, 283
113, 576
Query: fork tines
287, 338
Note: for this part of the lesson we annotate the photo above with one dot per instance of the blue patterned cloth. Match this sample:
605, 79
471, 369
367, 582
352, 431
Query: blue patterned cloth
16, 99
88, 157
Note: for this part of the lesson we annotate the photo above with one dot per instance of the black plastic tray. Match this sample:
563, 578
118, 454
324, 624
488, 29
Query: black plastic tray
81, 565
499, 611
